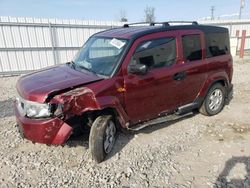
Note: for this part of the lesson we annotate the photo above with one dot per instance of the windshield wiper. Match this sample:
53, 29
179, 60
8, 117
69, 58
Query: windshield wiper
72, 63
94, 72
89, 70
82, 67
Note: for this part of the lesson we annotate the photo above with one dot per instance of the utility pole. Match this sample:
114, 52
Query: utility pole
212, 12
242, 4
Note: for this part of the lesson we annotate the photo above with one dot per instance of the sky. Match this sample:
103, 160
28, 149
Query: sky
110, 9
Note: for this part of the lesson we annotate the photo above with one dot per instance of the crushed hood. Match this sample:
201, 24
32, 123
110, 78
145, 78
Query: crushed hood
37, 86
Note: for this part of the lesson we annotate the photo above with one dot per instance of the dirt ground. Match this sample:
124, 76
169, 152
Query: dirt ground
196, 151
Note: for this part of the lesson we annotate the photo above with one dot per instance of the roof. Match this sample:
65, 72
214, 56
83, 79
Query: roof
137, 31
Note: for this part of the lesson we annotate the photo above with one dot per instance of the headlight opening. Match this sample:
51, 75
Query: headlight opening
38, 110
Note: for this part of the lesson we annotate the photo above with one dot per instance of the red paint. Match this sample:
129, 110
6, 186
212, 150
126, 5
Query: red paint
189, 88
47, 131
242, 44
63, 134
145, 94
37, 86
219, 68
135, 98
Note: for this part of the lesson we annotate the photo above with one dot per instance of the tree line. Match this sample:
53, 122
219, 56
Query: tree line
149, 15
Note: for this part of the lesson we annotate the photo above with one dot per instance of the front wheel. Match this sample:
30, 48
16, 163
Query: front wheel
214, 101
102, 137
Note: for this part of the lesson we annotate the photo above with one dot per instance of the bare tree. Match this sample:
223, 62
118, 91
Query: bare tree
149, 14
123, 16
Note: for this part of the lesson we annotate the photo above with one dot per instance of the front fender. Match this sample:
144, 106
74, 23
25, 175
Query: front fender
83, 99
113, 102
77, 101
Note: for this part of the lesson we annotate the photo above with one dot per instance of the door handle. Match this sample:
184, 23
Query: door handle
180, 75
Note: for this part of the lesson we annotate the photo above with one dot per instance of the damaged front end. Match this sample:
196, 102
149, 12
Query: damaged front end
47, 122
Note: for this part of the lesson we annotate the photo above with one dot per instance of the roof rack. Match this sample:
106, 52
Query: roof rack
164, 24
137, 23
191, 22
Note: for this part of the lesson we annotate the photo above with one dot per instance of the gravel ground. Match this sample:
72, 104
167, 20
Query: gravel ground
196, 151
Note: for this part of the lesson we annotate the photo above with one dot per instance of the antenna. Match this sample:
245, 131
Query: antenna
212, 12
242, 5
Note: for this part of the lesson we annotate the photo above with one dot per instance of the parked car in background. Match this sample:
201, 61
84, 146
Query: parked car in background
126, 78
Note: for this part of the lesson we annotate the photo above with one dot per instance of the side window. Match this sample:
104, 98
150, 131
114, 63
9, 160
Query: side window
156, 53
191, 47
217, 44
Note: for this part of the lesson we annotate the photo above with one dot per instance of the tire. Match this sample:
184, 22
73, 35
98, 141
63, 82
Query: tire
214, 101
102, 137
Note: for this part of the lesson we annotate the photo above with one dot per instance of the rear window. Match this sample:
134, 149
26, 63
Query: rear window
191, 47
217, 44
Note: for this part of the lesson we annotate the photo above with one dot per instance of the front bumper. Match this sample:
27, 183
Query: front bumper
46, 131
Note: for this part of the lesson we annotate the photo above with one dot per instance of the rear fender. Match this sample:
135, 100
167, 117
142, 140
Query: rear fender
213, 78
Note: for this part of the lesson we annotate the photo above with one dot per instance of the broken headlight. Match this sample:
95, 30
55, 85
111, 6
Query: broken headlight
38, 110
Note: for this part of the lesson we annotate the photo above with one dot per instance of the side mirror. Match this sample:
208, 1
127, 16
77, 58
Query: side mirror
138, 69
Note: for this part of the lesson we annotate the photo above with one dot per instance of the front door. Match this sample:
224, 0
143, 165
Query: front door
151, 94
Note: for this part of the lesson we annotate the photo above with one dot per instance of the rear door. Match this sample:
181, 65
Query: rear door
193, 68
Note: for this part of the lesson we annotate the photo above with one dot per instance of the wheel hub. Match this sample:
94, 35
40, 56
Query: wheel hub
109, 139
215, 99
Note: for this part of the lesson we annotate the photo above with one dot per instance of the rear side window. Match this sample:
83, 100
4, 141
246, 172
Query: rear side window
191, 47
156, 53
217, 44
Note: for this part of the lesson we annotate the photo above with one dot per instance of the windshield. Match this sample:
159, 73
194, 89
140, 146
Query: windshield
100, 55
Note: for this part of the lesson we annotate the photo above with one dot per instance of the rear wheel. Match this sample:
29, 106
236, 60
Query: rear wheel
102, 137
214, 101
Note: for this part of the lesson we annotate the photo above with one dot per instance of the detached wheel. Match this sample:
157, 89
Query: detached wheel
102, 137
214, 101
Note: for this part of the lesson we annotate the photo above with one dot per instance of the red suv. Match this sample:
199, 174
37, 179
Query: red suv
124, 78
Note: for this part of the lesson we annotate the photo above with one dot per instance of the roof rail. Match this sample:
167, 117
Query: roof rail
164, 24
137, 23
191, 22
171, 22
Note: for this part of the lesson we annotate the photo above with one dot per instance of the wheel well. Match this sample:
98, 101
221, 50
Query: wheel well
222, 82
87, 118
92, 115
